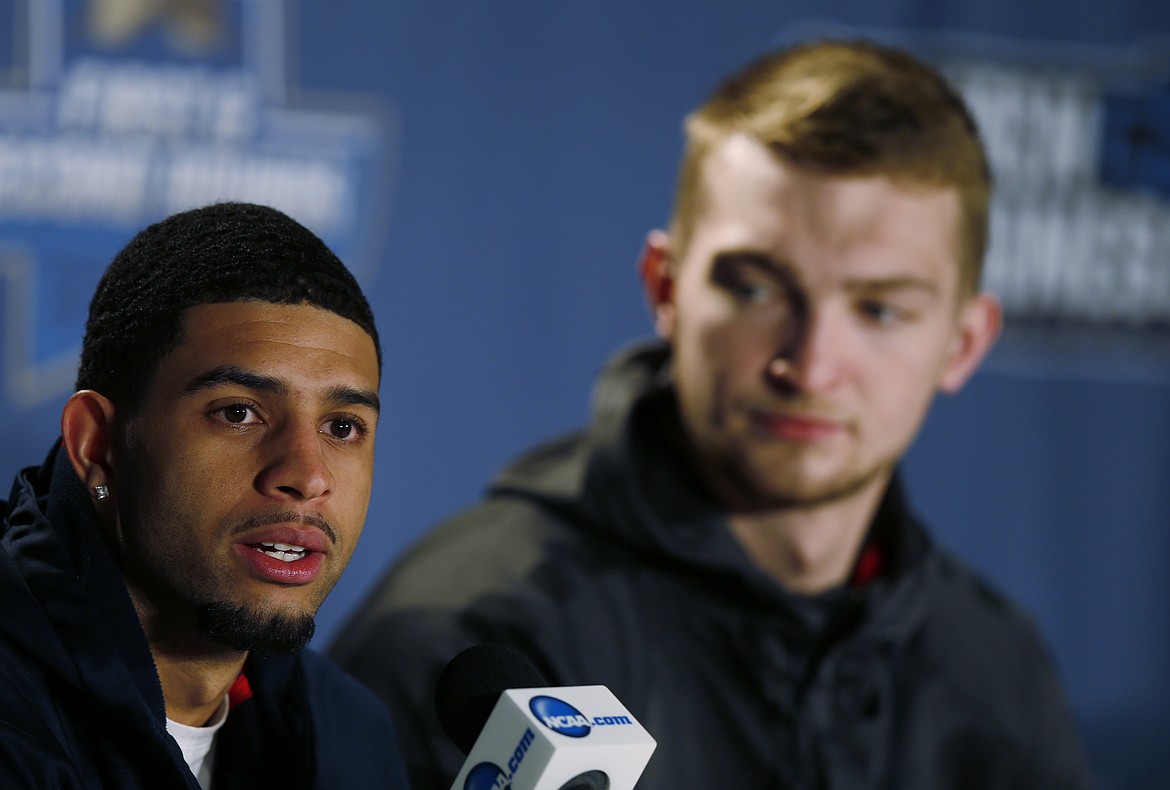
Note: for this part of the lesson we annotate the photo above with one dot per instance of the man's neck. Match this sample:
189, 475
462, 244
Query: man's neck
194, 688
809, 550
195, 672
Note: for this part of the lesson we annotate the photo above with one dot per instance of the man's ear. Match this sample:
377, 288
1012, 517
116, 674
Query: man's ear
657, 275
87, 431
978, 327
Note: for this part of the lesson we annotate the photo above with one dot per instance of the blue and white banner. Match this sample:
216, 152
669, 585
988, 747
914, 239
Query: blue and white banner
116, 113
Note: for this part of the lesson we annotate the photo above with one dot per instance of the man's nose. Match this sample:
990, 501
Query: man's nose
810, 355
296, 466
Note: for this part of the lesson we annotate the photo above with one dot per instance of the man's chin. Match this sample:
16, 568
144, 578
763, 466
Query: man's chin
247, 629
761, 489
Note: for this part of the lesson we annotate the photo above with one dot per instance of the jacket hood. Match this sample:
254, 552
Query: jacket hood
60, 561
626, 474
62, 599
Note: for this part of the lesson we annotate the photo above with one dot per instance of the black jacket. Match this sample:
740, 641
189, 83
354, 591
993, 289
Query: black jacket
601, 556
81, 704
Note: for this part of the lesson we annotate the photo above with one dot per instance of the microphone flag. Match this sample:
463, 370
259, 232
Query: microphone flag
557, 738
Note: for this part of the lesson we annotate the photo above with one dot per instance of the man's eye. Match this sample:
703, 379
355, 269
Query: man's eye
345, 428
753, 292
238, 414
882, 312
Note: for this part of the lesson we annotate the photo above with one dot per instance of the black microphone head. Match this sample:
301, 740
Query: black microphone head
471, 684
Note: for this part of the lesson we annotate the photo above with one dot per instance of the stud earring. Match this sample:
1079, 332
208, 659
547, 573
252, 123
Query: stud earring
779, 368
100, 492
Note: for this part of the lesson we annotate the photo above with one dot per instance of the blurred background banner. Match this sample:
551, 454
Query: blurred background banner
115, 113
527, 147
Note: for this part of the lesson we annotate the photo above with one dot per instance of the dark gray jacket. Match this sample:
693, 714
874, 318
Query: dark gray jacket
601, 557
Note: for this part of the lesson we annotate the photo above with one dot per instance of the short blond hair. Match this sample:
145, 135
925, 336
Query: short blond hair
851, 108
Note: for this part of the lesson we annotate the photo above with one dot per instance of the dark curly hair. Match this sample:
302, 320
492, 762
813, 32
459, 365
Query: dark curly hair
226, 252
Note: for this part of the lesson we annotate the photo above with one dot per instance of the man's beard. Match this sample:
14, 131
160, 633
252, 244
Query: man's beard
743, 487
248, 630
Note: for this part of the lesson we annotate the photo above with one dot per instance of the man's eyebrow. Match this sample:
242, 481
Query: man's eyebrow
896, 284
352, 396
230, 374
754, 258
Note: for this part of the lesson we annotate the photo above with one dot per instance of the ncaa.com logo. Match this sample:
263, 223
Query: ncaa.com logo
559, 716
489, 776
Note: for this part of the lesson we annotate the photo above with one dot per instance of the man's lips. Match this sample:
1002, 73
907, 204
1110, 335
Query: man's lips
283, 553
307, 538
796, 427
302, 524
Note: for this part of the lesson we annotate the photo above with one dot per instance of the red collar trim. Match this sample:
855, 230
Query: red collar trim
240, 691
869, 565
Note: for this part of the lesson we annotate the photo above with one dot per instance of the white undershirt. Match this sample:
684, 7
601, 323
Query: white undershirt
198, 743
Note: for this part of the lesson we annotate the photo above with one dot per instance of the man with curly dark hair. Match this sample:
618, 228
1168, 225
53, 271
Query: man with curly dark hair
160, 572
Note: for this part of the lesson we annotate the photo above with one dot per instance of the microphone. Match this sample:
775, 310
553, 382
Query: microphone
520, 734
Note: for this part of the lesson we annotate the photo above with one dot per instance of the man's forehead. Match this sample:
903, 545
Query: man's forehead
262, 319
762, 206
740, 161
298, 340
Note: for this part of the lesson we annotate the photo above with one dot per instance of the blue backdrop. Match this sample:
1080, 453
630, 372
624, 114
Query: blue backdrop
490, 169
